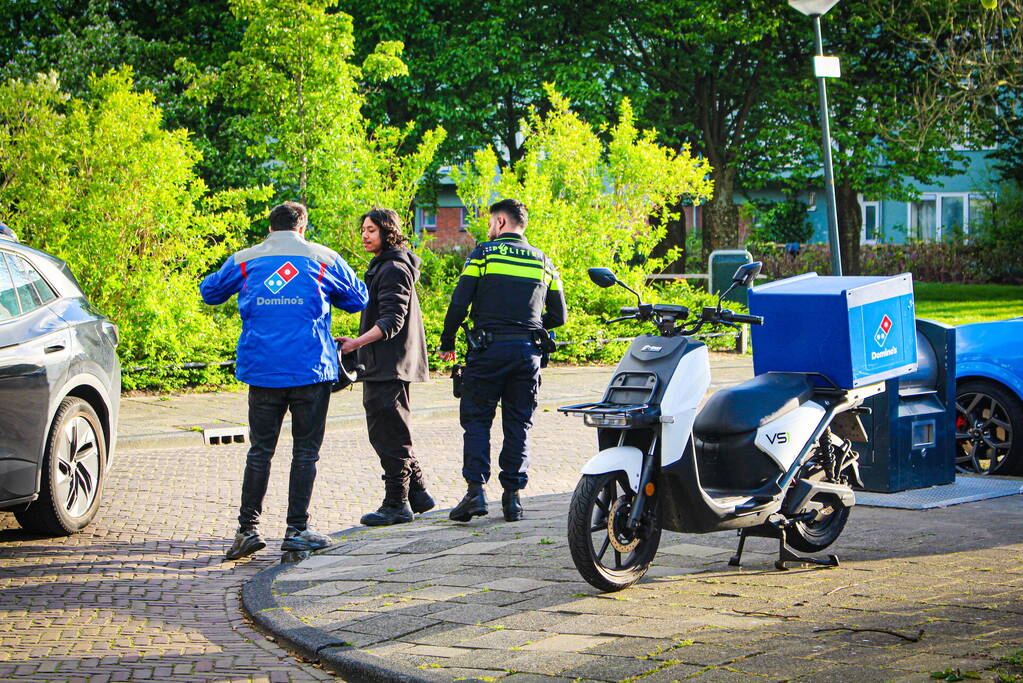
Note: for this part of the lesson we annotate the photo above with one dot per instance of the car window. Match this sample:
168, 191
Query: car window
9, 307
32, 290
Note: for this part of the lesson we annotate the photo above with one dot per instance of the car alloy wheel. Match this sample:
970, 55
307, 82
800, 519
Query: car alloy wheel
76, 481
988, 428
74, 467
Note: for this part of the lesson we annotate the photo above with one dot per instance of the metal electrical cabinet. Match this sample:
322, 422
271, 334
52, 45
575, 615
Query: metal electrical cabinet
721, 265
911, 428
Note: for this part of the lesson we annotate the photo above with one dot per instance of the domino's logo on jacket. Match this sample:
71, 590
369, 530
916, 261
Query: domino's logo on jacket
286, 287
280, 278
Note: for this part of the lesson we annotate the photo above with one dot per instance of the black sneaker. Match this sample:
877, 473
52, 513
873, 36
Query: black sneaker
306, 539
246, 542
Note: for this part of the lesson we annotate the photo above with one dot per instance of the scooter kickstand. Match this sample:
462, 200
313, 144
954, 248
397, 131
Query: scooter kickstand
786, 555
736, 559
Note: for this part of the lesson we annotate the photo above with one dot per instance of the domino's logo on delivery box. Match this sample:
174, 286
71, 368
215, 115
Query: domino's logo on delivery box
280, 278
881, 337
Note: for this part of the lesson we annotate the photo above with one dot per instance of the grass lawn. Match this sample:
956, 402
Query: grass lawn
958, 304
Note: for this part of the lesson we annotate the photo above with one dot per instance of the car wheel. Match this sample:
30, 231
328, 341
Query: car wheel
74, 467
989, 428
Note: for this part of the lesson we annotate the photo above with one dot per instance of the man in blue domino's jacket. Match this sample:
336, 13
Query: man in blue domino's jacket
287, 356
515, 295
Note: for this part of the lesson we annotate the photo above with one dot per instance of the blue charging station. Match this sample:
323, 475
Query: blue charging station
858, 331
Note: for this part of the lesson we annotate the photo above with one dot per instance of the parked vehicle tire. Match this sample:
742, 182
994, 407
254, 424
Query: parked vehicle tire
74, 469
606, 555
989, 428
814, 536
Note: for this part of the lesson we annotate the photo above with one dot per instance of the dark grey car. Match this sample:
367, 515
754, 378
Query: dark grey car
60, 384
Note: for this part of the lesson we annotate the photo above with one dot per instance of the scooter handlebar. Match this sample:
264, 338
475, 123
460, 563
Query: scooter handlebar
740, 318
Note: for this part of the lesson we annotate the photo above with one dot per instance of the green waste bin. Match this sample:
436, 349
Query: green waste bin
721, 266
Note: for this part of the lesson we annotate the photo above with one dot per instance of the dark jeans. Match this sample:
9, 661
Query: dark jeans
509, 372
387, 418
308, 406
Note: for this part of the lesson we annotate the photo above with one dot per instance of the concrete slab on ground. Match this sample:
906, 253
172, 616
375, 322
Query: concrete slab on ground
917, 592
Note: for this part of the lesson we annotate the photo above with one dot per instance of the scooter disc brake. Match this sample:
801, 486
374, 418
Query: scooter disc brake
612, 533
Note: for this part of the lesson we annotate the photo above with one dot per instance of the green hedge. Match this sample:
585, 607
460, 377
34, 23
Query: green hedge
986, 263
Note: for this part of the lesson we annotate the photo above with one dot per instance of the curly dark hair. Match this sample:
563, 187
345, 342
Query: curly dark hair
389, 223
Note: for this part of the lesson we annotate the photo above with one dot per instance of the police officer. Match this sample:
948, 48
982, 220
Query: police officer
508, 283
286, 287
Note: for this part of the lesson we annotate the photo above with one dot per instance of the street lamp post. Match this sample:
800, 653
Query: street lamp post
824, 67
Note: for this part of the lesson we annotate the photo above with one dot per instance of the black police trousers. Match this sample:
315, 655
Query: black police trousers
507, 371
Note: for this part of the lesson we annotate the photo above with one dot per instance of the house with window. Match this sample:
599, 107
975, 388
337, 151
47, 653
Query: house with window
447, 222
946, 207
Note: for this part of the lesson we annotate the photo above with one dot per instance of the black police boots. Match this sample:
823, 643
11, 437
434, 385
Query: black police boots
419, 498
512, 506
393, 511
474, 504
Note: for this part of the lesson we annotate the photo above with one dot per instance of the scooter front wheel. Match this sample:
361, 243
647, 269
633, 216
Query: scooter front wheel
606, 554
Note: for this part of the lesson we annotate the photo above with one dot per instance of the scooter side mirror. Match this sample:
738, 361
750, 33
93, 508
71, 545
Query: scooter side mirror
602, 277
747, 273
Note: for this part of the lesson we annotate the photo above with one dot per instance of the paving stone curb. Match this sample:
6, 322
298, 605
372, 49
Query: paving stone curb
259, 603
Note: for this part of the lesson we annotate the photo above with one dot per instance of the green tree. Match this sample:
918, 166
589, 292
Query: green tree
700, 71
295, 100
100, 183
476, 68
80, 38
970, 62
881, 144
590, 202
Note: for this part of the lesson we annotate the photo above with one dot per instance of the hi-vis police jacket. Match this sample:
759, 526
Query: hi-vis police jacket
285, 289
512, 287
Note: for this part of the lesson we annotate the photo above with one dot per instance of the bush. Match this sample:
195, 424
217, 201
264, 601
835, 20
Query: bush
99, 183
977, 263
783, 221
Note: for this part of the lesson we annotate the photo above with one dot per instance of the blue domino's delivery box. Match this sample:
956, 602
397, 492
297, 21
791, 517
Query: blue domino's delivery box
855, 330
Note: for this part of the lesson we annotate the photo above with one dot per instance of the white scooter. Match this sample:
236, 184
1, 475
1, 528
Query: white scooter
769, 457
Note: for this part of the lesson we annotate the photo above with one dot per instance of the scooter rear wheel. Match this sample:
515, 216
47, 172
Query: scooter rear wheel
606, 555
815, 536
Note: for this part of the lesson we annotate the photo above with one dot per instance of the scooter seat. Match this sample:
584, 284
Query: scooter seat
745, 407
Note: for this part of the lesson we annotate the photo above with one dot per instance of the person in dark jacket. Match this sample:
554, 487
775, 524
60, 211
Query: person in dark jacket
392, 347
286, 287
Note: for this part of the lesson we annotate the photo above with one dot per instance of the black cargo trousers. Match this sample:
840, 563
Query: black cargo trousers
388, 419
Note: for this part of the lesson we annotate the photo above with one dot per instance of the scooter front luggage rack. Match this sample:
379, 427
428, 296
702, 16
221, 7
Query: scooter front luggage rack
613, 415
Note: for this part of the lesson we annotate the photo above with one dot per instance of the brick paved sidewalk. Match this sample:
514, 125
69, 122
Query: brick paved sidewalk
917, 593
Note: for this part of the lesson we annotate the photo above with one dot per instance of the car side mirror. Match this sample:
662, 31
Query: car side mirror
602, 277
747, 273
